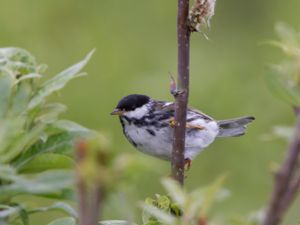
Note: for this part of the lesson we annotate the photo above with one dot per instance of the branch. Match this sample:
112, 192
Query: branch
181, 96
187, 22
284, 188
90, 187
80, 156
290, 195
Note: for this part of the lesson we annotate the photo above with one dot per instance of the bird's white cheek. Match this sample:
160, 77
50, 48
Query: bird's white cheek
137, 113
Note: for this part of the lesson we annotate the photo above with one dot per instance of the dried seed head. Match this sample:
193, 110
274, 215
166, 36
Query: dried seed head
200, 14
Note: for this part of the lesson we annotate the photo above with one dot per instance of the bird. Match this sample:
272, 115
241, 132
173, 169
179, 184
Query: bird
148, 124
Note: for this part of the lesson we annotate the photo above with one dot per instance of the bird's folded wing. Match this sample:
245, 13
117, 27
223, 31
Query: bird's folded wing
169, 107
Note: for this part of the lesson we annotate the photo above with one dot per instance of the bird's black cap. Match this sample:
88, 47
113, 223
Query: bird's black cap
131, 102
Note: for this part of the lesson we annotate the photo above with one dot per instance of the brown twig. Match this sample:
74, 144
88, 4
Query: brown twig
290, 195
181, 96
286, 186
90, 192
80, 156
95, 197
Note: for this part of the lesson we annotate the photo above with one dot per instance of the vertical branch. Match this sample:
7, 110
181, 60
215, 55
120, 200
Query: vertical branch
96, 195
181, 96
82, 193
291, 193
286, 186
90, 159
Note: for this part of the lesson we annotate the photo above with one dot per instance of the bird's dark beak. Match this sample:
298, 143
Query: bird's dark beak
117, 112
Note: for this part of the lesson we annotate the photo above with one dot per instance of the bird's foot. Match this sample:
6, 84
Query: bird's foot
172, 122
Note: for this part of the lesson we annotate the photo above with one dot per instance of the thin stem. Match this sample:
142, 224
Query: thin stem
283, 180
181, 98
95, 198
290, 194
82, 193
90, 193
82, 201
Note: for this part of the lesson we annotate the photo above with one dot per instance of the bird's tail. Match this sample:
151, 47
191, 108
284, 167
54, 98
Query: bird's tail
234, 127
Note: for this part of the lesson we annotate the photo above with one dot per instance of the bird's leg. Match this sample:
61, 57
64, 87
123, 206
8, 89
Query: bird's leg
187, 164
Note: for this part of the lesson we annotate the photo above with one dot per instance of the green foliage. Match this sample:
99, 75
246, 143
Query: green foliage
47, 161
180, 207
284, 79
60, 206
116, 222
43, 183
63, 221
35, 145
163, 206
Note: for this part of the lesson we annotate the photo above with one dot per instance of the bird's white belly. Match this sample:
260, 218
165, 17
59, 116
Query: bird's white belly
158, 141
155, 142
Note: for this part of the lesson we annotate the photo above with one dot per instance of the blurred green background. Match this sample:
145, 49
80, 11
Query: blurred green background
136, 48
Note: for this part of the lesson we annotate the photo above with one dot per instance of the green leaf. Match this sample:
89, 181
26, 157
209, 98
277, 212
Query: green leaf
63, 194
58, 82
50, 112
194, 203
175, 191
43, 183
61, 206
211, 195
7, 173
14, 54
21, 98
47, 161
12, 131
160, 214
20, 217
6, 82
279, 87
28, 76
71, 127
286, 48
8, 211
163, 202
26, 140
50, 181
24, 216
63, 221
61, 143
116, 222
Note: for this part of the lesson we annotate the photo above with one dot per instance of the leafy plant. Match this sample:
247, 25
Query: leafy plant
64, 221
284, 79
179, 207
285, 83
35, 145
